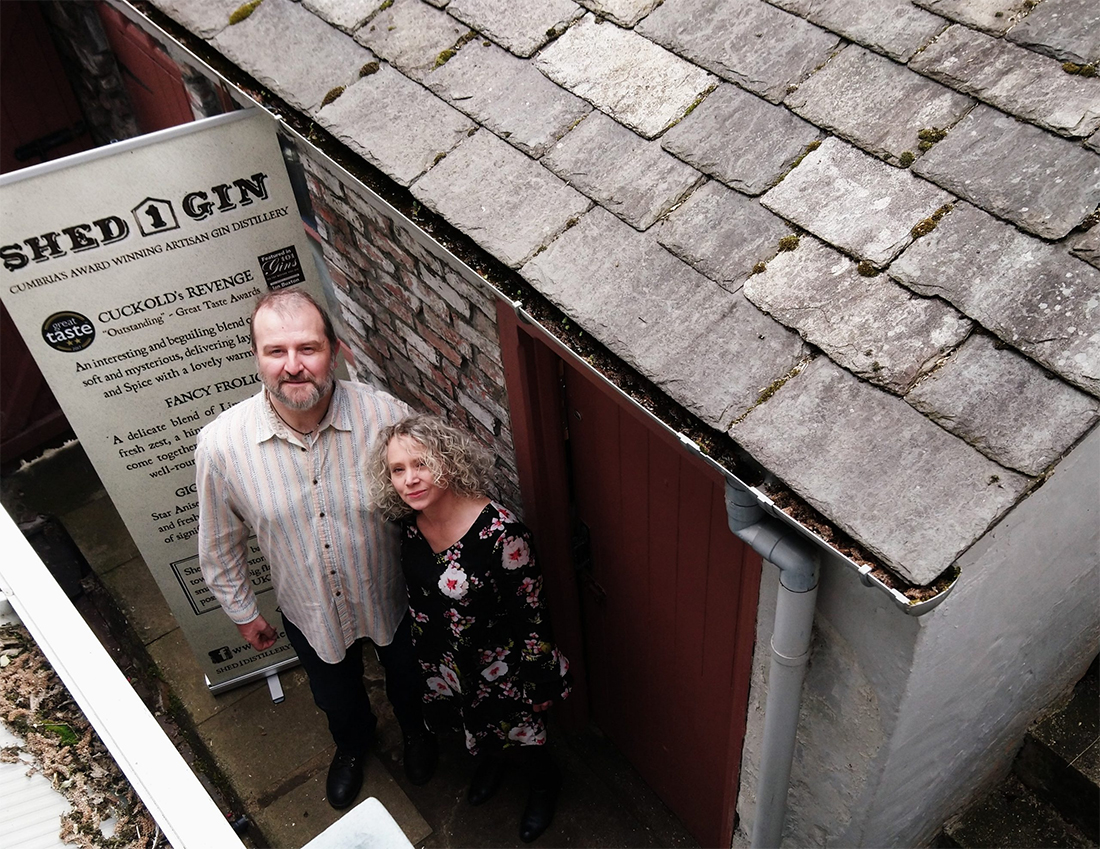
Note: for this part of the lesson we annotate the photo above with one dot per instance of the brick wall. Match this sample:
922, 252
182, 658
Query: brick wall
418, 327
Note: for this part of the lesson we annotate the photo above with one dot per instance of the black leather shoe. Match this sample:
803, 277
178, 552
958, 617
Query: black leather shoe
421, 755
345, 779
540, 806
486, 781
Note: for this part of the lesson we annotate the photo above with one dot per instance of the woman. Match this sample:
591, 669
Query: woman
480, 623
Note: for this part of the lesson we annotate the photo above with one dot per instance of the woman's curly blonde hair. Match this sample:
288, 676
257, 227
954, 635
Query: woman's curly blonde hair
456, 462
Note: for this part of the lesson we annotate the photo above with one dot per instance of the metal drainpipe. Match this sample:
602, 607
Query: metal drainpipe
798, 561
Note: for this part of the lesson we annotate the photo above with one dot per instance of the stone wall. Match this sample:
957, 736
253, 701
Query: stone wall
418, 326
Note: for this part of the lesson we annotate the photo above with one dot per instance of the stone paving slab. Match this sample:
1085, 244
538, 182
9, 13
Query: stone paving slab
522, 26
1034, 296
411, 36
395, 124
855, 202
204, 18
508, 96
294, 818
1013, 79
293, 52
1004, 405
99, 532
722, 234
994, 16
348, 15
139, 598
631, 177
634, 300
250, 742
877, 104
894, 27
630, 78
504, 201
869, 325
177, 664
1086, 246
623, 12
1044, 184
728, 39
740, 139
907, 490
1066, 30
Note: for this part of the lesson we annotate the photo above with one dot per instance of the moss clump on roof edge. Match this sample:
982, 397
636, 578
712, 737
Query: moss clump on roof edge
447, 55
929, 136
243, 11
906, 159
1088, 70
333, 93
385, 5
789, 243
867, 269
923, 228
368, 69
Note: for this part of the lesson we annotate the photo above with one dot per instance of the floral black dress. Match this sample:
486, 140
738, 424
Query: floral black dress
482, 632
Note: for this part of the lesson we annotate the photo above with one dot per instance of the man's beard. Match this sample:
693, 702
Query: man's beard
319, 389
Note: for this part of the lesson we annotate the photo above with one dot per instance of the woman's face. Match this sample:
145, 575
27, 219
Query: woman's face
409, 475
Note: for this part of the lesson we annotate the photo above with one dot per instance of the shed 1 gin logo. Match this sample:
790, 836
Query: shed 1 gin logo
68, 331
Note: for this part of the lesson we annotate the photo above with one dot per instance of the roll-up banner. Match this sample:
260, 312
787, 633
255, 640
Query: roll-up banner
131, 271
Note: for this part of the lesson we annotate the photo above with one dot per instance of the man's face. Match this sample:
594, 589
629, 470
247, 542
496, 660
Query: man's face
295, 361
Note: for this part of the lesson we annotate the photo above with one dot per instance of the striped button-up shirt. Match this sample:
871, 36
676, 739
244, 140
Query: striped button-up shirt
335, 563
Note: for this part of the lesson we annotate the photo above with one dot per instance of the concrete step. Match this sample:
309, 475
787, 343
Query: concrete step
1051, 798
1060, 758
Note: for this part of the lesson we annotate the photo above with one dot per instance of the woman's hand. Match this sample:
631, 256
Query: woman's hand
541, 707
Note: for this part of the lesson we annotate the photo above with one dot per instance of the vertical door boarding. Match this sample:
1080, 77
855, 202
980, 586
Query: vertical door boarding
649, 587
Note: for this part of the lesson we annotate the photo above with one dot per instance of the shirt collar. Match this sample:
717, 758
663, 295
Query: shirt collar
269, 425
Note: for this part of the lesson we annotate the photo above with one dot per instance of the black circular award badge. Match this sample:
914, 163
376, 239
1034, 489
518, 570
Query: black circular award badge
68, 331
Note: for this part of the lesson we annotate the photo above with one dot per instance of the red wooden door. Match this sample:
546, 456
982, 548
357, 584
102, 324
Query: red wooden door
669, 606
152, 79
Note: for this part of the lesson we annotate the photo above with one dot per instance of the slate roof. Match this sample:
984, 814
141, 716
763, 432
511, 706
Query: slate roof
934, 335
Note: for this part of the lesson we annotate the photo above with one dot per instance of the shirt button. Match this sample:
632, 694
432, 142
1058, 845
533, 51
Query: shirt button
327, 545
338, 593
315, 481
322, 515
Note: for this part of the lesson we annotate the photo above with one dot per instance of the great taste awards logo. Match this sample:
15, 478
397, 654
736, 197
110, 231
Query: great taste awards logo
68, 331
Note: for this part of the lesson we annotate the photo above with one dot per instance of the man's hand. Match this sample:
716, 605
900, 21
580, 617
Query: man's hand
259, 634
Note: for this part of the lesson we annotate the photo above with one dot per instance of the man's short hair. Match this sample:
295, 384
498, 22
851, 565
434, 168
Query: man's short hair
287, 301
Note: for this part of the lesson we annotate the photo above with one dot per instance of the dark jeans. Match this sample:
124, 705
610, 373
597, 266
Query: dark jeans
339, 691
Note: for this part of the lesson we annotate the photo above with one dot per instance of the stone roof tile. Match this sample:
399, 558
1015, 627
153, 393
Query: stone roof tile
1086, 246
633, 80
915, 495
293, 52
1004, 405
1045, 184
995, 16
348, 15
205, 18
411, 36
1066, 30
853, 201
1034, 296
729, 40
876, 104
394, 124
634, 300
631, 177
722, 234
870, 325
508, 203
507, 95
741, 139
623, 12
894, 27
1013, 79
522, 26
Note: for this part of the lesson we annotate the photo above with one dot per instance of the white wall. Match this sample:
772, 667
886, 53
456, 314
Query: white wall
904, 720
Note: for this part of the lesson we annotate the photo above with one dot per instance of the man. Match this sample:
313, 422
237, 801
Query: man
289, 465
